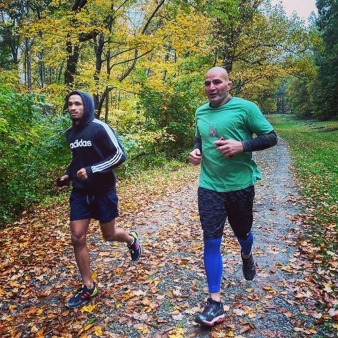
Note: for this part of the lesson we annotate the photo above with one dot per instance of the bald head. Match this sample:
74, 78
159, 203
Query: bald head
217, 86
218, 71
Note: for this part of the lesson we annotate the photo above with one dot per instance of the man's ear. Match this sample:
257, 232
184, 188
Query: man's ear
229, 85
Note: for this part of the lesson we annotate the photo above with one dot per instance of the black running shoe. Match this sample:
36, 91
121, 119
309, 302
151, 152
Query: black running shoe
249, 269
212, 314
83, 295
135, 248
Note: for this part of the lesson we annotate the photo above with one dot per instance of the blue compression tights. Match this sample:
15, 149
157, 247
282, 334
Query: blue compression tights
246, 244
213, 263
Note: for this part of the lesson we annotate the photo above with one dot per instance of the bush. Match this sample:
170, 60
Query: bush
30, 139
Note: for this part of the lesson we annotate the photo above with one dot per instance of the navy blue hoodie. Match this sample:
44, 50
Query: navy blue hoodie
95, 147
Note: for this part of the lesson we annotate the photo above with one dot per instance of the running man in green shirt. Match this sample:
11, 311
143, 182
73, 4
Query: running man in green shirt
223, 146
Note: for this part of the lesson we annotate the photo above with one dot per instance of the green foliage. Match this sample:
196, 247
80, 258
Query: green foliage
154, 55
301, 98
30, 140
327, 60
258, 45
172, 112
5, 52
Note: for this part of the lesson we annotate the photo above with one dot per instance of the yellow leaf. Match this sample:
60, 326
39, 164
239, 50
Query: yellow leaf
179, 333
98, 331
128, 295
88, 308
87, 327
39, 311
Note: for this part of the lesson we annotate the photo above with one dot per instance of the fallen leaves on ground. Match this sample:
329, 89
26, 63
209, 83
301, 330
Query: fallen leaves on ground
160, 295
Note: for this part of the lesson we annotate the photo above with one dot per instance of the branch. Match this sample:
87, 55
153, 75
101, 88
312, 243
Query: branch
134, 59
152, 16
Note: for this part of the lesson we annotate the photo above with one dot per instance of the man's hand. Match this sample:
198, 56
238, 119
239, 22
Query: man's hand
61, 183
82, 174
195, 157
229, 148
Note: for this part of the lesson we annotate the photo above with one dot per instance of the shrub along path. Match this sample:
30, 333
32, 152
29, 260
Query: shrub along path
159, 296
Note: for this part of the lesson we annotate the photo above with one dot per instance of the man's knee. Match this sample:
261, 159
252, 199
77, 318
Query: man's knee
108, 231
77, 240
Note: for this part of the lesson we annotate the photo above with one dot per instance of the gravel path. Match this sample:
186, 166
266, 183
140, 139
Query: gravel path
160, 295
264, 308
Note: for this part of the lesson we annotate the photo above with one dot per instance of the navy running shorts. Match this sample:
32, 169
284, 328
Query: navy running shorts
216, 207
100, 207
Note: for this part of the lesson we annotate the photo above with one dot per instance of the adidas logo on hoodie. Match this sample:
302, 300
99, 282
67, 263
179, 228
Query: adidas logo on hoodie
80, 143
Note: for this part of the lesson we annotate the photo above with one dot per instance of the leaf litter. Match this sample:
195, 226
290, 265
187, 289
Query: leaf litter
160, 295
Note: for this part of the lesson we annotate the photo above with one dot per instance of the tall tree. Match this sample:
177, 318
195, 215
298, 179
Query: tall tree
257, 43
327, 59
11, 14
16, 16
122, 45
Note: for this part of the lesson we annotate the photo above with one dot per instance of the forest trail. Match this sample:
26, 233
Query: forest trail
160, 295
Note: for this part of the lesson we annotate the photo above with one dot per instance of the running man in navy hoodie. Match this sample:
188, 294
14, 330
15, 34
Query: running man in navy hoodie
96, 151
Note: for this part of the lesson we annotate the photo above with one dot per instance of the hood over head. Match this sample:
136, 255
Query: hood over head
88, 104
